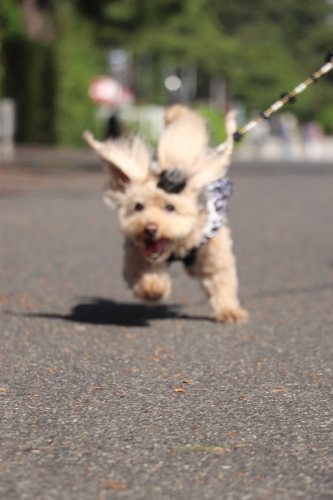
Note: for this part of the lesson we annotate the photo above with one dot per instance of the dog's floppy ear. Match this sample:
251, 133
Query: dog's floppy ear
127, 161
213, 166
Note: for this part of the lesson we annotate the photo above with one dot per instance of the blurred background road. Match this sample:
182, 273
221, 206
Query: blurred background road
88, 374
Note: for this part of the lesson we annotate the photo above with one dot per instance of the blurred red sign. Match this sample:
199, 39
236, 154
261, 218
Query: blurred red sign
106, 90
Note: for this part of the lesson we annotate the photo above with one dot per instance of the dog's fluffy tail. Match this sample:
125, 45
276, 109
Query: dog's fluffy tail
174, 113
184, 141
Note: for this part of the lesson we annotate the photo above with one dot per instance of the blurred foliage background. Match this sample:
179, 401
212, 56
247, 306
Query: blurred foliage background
51, 50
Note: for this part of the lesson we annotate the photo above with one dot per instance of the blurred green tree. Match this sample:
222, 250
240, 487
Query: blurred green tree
11, 22
261, 48
78, 61
280, 44
172, 33
49, 57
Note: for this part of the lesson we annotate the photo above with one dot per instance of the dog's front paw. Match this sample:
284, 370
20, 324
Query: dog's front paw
153, 287
232, 316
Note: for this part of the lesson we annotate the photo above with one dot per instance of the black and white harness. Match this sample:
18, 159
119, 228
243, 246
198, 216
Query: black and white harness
216, 198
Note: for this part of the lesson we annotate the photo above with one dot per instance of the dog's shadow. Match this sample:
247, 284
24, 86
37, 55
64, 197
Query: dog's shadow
99, 311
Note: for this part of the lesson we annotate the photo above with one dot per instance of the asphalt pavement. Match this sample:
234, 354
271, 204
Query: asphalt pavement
88, 374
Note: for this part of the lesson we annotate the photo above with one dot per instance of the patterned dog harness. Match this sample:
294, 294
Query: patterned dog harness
216, 194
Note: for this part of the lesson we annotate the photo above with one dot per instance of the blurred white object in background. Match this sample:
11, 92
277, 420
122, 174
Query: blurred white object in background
258, 136
107, 90
147, 121
7, 130
172, 83
313, 140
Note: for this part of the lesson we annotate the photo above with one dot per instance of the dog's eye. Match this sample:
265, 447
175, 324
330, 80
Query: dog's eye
169, 208
139, 207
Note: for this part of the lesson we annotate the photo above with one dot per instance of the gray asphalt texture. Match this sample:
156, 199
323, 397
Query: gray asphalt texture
88, 408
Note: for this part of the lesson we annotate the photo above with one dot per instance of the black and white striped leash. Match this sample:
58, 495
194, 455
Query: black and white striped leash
285, 97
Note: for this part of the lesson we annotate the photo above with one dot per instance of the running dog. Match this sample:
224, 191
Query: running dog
172, 206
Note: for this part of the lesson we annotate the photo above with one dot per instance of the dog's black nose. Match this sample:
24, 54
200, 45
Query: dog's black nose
150, 230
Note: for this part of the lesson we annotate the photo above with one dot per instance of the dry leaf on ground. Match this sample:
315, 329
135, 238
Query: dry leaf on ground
279, 388
161, 349
114, 485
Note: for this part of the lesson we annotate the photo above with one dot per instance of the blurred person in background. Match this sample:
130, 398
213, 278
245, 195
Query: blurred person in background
259, 136
313, 140
113, 127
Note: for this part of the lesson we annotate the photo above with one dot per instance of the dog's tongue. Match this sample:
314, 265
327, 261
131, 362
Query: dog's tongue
152, 247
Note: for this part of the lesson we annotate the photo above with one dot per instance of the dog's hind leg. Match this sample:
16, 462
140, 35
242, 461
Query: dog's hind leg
216, 266
150, 283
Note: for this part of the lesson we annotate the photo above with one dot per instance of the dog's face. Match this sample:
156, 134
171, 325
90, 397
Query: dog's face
156, 221
155, 212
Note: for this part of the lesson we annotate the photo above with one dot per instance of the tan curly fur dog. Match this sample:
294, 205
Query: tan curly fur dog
163, 211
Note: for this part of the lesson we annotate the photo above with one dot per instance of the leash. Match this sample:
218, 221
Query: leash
285, 97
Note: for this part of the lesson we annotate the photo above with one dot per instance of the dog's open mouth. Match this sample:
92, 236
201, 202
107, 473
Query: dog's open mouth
155, 248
